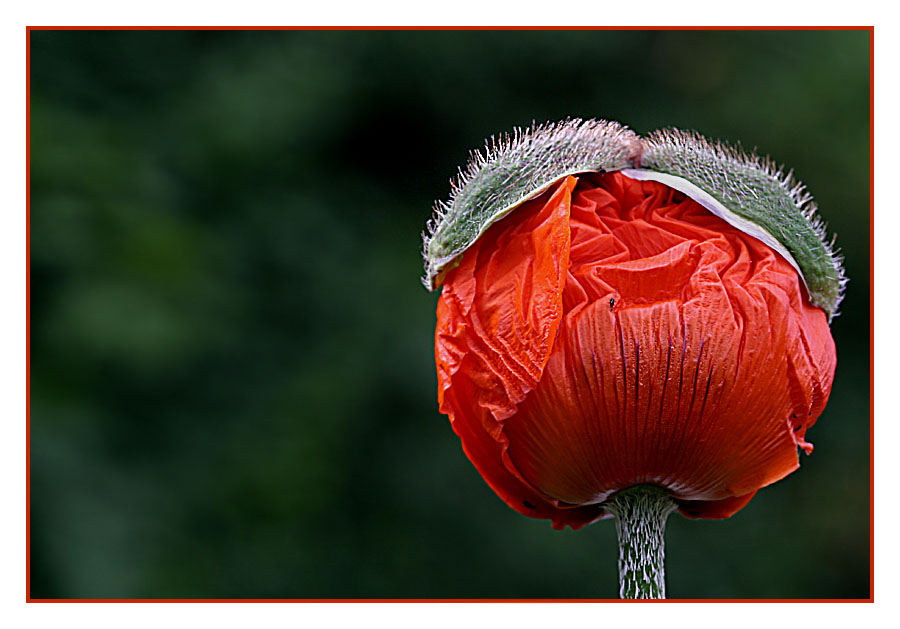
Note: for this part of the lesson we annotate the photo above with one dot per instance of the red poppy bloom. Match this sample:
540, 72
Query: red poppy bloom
612, 333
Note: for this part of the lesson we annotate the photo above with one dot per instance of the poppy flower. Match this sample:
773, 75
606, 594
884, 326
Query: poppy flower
621, 313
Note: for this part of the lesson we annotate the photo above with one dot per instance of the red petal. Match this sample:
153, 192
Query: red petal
714, 509
681, 359
497, 319
655, 345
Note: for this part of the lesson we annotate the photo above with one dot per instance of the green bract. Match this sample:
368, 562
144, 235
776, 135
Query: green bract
512, 169
749, 192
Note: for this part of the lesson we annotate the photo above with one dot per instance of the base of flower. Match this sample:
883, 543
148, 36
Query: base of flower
641, 514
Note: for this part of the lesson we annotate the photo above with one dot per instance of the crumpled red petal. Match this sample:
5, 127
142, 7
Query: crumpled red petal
498, 316
617, 334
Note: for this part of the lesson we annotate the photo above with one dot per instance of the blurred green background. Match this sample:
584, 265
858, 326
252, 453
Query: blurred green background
232, 383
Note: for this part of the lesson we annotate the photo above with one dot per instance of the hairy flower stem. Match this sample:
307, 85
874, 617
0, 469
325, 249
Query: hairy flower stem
641, 514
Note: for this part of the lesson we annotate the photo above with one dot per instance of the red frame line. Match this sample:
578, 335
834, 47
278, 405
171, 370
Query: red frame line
28, 30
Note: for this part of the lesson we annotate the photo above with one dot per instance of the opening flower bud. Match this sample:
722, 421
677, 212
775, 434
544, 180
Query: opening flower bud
619, 312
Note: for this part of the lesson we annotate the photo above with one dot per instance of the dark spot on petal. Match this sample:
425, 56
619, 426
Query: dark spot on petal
528, 504
612, 302
798, 427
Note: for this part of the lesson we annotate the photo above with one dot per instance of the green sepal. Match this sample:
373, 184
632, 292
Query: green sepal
514, 168
757, 190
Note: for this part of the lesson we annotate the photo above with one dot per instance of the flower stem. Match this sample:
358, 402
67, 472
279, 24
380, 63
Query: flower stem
641, 514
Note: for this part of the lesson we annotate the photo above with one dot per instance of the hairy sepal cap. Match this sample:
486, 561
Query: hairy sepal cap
747, 191
514, 168
756, 196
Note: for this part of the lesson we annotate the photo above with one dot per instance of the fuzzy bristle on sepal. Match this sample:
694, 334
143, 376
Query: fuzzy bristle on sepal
756, 189
513, 168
